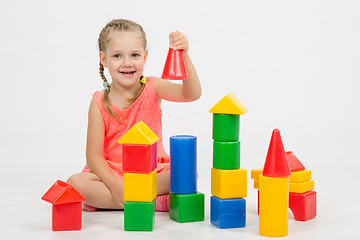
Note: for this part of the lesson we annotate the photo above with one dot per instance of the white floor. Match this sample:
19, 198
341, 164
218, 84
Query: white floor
32, 220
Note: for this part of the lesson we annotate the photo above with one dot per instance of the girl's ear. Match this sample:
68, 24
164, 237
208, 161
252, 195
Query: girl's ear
103, 59
146, 55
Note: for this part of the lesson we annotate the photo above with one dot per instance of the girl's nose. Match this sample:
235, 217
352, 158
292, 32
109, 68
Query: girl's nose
127, 61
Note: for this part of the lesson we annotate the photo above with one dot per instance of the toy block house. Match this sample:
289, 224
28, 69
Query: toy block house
67, 206
302, 198
139, 147
228, 180
186, 204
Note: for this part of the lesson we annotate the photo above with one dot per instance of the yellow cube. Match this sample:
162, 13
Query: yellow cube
302, 186
139, 187
229, 183
300, 176
255, 174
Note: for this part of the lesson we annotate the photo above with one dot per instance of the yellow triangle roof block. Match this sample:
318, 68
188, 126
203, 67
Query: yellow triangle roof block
229, 105
141, 134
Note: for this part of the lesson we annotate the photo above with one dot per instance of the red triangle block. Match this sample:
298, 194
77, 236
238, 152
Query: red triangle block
62, 192
174, 66
294, 163
276, 163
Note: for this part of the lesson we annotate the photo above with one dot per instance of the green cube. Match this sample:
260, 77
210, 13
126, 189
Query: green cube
226, 127
186, 207
226, 155
139, 216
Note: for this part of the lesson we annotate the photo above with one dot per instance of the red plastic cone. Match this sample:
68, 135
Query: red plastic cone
294, 163
174, 66
276, 163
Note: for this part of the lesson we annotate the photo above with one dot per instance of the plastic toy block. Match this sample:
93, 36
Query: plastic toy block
294, 163
255, 173
228, 213
67, 217
139, 158
300, 176
183, 169
67, 206
139, 216
187, 207
226, 155
276, 163
174, 66
302, 187
227, 184
303, 205
274, 204
140, 133
229, 105
62, 192
256, 184
226, 127
139, 187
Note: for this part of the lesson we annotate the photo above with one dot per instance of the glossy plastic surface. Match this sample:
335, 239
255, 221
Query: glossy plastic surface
174, 68
139, 216
228, 213
187, 207
294, 163
276, 163
139, 158
139, 187
229, 105
227, 184
183, 166
303, 205
140, 133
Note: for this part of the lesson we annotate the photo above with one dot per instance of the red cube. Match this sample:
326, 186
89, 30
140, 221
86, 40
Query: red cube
139, 158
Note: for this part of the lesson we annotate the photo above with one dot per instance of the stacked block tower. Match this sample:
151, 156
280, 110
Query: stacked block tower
302, 197
186, 204
228, 180
139, 147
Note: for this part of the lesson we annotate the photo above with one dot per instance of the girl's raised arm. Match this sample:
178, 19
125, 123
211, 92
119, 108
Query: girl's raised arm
190, 90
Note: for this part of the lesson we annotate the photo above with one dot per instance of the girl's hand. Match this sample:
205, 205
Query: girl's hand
178, 41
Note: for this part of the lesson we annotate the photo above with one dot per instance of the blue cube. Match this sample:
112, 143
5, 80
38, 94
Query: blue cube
228, 213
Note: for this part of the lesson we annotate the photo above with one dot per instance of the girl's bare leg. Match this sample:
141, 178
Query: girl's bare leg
96, 193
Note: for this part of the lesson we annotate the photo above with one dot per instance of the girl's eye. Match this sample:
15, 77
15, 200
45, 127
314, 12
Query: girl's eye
136, 55
116, 55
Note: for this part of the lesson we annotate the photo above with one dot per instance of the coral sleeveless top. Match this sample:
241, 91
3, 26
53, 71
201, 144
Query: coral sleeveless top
146, 108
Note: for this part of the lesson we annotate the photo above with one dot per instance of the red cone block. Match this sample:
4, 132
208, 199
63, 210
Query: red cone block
276, 163
174, 66
294, 163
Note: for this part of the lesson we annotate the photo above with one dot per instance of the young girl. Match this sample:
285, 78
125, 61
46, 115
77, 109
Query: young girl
128, 99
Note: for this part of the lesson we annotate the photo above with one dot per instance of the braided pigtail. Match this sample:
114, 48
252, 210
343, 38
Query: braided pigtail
106, 101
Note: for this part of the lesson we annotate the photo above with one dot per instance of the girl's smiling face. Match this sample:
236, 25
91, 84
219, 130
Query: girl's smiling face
125, 57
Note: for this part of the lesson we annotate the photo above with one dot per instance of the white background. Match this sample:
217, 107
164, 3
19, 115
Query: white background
293, 64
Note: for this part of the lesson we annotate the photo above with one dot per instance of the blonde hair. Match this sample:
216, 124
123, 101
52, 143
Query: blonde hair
117, 25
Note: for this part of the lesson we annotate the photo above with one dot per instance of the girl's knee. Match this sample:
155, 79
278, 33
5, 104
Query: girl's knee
75, 180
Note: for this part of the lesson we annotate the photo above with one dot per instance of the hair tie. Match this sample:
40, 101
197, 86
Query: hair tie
143, 80
106, 86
